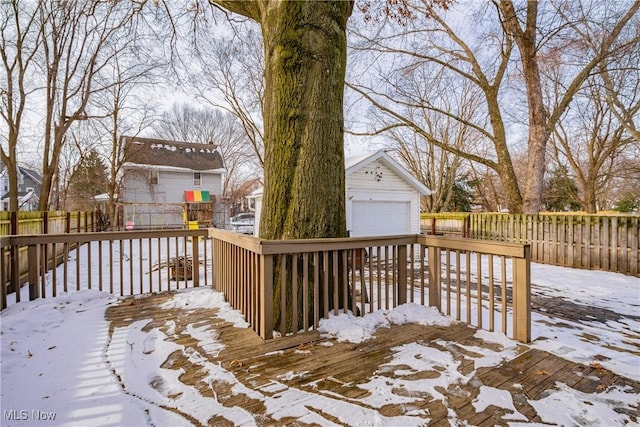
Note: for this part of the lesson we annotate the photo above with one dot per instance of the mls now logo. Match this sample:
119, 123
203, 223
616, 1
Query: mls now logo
23, 415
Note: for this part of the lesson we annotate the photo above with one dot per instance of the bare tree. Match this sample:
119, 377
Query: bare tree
440, 170
598, 135
593, 143
305, 51
124, 112
524, 26
79, 39
510, 48
231, 77
305, 61
19, 42
621, 83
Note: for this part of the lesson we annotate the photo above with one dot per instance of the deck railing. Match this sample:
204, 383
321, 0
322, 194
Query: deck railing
481, 283
121, 263
285, 283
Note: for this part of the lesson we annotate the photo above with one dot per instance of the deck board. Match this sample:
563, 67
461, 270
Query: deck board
314, 364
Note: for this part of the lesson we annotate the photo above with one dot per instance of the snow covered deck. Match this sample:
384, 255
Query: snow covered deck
436, 372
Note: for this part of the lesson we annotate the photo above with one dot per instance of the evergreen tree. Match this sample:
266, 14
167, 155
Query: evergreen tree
629, 202
462, 199
87, 181
561, 192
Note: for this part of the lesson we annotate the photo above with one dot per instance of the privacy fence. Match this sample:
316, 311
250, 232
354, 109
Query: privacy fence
603, 242
37, 223
14, 223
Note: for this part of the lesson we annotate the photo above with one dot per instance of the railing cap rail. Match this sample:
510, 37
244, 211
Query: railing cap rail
274, 247
515, 250
32, 239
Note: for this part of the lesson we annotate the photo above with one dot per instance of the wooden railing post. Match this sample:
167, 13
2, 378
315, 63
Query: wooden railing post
33, 264
434, 277
14, 258
195, 261
522, 296
402, 274
266, 297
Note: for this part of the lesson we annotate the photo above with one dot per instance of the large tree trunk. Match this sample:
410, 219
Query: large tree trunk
305, 62
538, 133
305, 51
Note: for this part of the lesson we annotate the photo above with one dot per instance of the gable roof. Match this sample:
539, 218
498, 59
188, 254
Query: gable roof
28, 173
177, 154
34, 176
355, 163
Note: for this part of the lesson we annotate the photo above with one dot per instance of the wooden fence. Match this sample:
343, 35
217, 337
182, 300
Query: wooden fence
55, 222
32, 223
603, 242
482, 283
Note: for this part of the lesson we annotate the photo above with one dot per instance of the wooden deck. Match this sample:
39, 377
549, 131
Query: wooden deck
314, 364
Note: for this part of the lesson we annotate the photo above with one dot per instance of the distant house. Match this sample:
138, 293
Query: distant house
29, 184
169, 183
382, 197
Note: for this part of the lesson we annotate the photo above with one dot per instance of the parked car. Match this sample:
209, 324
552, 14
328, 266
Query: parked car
243, 223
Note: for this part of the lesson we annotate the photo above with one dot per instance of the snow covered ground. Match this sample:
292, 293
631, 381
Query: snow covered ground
61, 366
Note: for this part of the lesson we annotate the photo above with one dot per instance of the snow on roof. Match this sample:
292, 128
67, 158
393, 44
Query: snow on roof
185, 155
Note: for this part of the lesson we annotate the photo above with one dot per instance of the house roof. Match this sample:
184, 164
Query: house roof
177, 154
355, 163
35, 176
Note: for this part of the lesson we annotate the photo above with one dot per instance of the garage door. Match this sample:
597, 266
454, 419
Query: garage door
380, 218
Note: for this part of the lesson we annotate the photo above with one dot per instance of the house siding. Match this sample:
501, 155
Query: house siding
363, 184
160, 205
170, 188
27, 179
377, 180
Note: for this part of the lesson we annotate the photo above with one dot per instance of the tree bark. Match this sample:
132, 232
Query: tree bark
538, 134
305, 48
305, 51
305, 62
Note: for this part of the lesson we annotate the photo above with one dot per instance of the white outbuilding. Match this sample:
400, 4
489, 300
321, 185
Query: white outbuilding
382, 197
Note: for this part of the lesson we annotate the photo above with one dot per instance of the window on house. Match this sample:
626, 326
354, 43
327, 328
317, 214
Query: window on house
153, 177
197, 179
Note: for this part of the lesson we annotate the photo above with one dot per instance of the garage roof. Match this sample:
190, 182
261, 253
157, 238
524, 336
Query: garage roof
353, 164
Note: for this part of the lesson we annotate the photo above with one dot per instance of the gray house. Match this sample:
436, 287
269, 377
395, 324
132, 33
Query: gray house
167, 184
29, 183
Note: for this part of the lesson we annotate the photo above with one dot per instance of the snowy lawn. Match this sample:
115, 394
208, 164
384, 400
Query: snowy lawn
61, 366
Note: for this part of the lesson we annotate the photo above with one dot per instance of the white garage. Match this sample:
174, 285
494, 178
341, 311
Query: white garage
382, 198
376, 218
